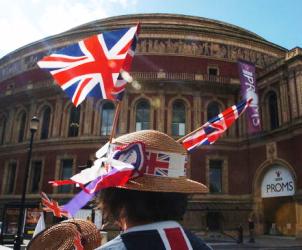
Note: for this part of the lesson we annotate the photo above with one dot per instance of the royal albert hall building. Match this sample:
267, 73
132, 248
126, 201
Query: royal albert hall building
185, 72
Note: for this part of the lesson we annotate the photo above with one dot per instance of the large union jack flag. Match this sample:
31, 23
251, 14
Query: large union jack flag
92, 66
214, 128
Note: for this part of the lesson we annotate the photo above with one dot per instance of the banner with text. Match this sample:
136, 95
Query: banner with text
277, 181
248, 90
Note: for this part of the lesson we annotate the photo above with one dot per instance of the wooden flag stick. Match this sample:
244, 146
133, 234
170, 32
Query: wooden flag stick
115, 120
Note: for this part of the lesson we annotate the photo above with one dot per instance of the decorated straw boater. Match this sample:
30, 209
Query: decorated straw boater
165, 166
67, 235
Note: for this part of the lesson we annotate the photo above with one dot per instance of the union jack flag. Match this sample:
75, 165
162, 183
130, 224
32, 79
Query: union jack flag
52, 206
157, 164
92, 66
214, 128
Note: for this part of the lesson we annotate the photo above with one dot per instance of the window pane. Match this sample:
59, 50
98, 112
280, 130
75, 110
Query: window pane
107, 118
36, 168
215, 176
21, 127
11, 177
2, 130
213, 71
212, 110
178, 118
45, 123
273, 110
74, 121
142, 115
65, 173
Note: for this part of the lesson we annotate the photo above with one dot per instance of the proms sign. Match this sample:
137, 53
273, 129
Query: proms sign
278, 181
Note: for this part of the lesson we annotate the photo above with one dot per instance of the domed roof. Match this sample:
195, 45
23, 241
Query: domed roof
151, 24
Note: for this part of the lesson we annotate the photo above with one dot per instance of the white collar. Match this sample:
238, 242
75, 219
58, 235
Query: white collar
153, 226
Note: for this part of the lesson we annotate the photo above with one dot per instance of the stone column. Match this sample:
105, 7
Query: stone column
232, 129
196, 110
299, 90
31, 113
57, 117
123, 117
88, 116
292, 93
10, 126
284, 102
161, 112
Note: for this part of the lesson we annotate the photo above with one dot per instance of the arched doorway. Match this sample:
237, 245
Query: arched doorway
276, 188
214, 221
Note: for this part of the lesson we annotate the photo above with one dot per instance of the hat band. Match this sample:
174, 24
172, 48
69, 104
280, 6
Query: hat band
150, 162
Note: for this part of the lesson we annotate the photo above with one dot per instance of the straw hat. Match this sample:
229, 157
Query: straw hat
165, 170
61, 236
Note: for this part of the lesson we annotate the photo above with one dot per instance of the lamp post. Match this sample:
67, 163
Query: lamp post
19, 237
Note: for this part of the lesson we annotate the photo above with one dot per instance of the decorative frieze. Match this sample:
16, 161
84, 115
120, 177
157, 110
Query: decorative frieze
161, 46
203, 49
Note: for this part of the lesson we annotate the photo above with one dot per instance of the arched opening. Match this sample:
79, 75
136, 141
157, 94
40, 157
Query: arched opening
142, 115
45, 123
21, 130
273, 110
178, 118
2, 129
278, 205
74, 122
107, 114
214, 220
212, 110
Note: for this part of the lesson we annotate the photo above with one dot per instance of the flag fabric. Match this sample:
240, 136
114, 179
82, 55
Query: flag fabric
52, 206
77, 242
40, 225
249, 90
128, 162
215, 127
93, 66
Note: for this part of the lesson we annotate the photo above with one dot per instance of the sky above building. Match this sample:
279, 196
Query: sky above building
26, 21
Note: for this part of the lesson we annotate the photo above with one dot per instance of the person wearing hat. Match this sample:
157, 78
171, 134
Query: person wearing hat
149, 205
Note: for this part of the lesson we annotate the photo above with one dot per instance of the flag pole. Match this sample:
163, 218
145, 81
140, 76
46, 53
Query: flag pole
115, 120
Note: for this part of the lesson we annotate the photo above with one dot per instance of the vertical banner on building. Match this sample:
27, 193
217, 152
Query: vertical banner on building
248, 90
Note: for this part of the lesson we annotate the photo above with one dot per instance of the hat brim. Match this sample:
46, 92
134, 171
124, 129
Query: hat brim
165, 184
61, 236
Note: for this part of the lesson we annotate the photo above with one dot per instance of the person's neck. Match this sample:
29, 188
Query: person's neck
128, 224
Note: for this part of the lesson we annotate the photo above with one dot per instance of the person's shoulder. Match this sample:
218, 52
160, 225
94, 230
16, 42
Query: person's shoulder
196, 242
115, 244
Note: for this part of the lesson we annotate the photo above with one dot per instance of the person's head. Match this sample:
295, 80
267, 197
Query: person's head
137, 207
158, 190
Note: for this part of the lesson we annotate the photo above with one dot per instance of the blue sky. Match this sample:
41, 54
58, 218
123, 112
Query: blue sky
25, 21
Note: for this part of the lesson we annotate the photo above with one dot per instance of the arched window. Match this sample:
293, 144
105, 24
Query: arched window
2, 129
45, 123
74, 121
142, 115
273, 110
178, 118
21, 129
212, 110
107, 114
